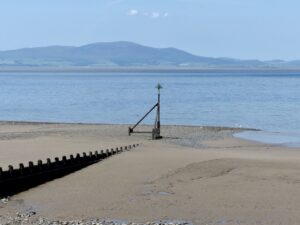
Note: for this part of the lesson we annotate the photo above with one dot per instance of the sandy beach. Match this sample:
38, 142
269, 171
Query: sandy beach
198, 174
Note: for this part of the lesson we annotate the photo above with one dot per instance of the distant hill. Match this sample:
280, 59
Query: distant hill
123, 54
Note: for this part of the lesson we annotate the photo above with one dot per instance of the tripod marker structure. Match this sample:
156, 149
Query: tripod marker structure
156, 130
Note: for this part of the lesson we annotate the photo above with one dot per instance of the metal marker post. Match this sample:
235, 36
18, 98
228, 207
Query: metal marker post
156, 130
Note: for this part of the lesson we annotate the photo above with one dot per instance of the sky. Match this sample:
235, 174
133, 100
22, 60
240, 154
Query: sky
245, 29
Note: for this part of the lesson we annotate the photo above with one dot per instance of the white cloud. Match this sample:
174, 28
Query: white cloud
132, 12
155, 15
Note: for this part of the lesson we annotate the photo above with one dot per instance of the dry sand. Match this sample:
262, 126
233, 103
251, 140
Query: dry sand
199, 174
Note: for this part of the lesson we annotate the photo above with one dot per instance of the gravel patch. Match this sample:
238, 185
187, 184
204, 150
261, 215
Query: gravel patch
194, 136
31, 218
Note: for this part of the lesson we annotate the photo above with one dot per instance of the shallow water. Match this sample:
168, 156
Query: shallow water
266, 101
276, 138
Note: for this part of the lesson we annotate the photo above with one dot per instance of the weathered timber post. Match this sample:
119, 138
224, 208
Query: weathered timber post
64, 160
30, 165
96, 155
40, 164
21, 168
57, 161
78, 159
48, 162
11, 169
84, 157
156, 130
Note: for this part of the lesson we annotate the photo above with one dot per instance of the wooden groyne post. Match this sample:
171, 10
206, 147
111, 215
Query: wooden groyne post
13, 181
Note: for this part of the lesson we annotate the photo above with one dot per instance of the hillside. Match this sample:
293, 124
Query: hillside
122, 54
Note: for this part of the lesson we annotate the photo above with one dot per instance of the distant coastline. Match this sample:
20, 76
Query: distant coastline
128, 57
145, 70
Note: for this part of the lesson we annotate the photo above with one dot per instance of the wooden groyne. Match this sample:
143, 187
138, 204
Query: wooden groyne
13, 181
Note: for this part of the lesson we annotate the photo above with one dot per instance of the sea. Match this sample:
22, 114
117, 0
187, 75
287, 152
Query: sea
267, 101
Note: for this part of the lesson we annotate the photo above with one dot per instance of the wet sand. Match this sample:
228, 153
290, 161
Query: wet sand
199, 174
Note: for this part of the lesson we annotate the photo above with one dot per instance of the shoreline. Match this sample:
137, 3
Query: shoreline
11, 122
235, 130
254, 135
238, 132
148, 70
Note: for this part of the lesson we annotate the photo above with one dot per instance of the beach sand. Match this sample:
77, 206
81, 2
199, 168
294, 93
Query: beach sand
198, 174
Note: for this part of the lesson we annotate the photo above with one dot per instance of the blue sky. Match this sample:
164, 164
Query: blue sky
246, 29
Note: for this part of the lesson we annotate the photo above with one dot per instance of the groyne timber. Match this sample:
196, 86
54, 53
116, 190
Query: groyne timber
15, 180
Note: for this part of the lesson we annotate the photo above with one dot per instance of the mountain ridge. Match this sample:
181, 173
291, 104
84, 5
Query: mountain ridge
124, 54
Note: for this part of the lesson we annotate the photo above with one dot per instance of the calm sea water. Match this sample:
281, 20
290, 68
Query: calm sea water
267, 101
